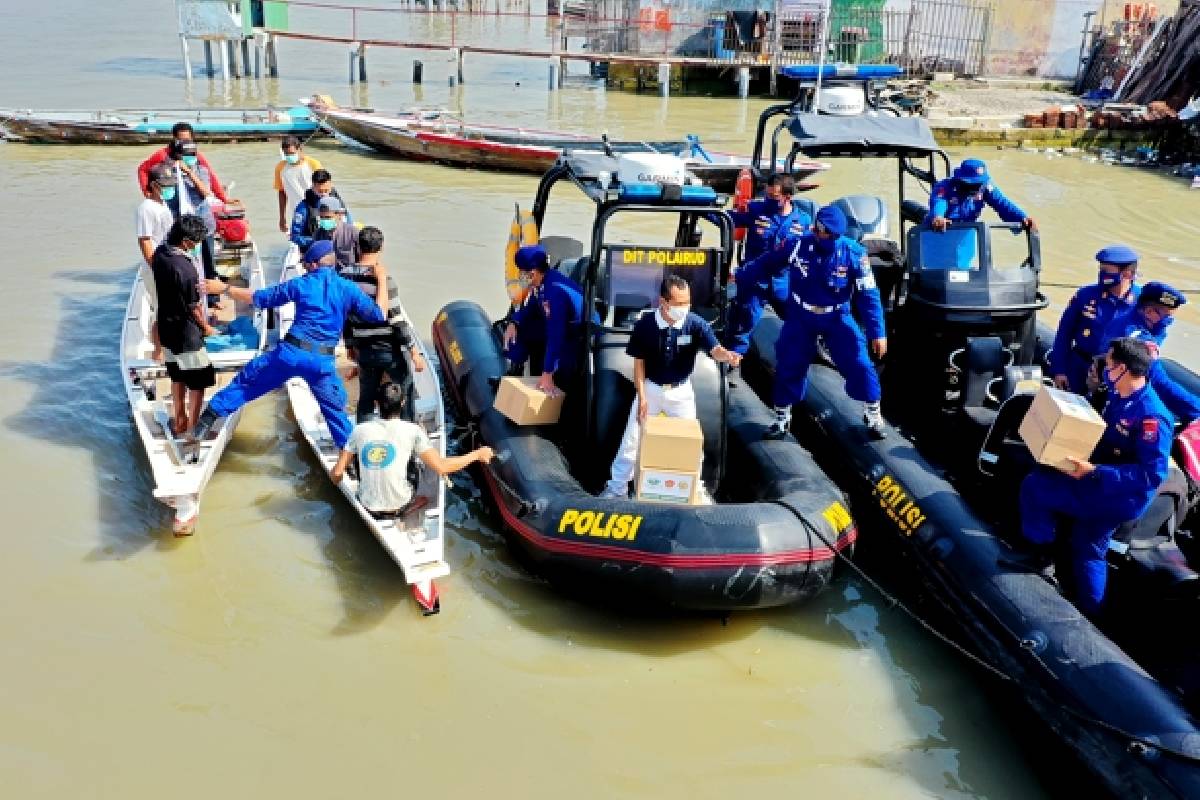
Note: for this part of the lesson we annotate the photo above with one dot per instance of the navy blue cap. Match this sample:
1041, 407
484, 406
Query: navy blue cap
1121, 255
1160, 294
532, 257
972, 171
318, 250
832, 219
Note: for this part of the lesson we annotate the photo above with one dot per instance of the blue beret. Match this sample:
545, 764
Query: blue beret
1120, 254
833, 220
1160, 294
318, 250
972, 170
532, 257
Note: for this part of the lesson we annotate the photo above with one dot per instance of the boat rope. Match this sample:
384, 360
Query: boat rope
1137, 745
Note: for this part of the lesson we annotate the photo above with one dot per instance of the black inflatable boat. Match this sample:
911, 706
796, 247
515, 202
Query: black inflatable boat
965, 358
770, 537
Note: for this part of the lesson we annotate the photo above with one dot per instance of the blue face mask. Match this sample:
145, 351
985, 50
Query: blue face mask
772, 206
292, 158
191, 161
826, 246
167, 193
1109, 279
327, 224
1160, 327
1110, 382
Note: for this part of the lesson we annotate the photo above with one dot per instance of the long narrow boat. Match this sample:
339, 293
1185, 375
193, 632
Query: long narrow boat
180, 470
416, 541
435, 135
153, 126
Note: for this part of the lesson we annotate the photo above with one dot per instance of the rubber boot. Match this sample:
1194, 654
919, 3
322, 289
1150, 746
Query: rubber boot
204, 425
783, 422
873, 418
1037, 559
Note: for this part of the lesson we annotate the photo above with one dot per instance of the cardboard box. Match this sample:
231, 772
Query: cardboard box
667, 486
671, 444
1060, 424
519, 399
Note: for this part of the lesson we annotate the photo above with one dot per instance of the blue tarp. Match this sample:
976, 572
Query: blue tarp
240, 334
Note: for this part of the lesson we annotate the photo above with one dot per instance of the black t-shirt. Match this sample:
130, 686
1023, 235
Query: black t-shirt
670, 352
178, 287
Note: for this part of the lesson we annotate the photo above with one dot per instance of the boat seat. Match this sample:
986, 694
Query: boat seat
1148, 543
979, 365
887, 262
1004, 453
561, 248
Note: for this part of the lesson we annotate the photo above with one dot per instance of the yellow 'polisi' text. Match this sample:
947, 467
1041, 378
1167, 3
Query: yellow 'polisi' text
600, 524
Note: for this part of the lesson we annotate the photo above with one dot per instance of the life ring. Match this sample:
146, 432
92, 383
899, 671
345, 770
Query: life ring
742, 192
522, 233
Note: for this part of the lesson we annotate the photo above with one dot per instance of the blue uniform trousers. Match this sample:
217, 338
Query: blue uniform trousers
1095, 516
797, 346
273, 369
747, 308
530, 343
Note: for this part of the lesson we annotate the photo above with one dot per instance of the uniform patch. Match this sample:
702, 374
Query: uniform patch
1150, 430
866, 282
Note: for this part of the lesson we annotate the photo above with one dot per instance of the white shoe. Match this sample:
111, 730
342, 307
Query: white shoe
874, 422
703, 498
615, 491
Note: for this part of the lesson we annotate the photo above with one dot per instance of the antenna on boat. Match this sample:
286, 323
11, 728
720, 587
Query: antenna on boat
608, 151
821, 55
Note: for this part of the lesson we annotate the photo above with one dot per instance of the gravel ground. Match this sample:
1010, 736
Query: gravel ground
975, 99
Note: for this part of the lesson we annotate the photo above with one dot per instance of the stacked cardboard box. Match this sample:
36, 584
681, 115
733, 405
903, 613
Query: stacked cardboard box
1060, 426
669, 460
519, 399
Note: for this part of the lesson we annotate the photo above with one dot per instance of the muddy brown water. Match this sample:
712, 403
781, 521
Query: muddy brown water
278, 650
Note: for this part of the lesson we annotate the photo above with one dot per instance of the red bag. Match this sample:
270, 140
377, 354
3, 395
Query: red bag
232, 226
1189, 447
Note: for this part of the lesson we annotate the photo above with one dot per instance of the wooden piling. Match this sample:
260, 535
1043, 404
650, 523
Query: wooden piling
208, 59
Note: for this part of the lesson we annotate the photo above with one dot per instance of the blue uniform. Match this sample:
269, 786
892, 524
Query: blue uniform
1178, 400
1132, 460
323, 300
548, 325
947, 202
1081, 331
768, 230
821, 288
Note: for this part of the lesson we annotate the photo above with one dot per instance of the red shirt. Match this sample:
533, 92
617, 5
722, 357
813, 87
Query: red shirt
161, 156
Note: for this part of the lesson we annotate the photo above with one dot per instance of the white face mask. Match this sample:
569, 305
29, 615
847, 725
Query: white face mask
678, 313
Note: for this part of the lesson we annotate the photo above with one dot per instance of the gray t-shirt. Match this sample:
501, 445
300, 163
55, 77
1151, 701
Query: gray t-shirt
384, 448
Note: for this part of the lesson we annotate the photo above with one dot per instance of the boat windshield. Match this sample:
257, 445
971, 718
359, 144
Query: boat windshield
633, 275
953, 249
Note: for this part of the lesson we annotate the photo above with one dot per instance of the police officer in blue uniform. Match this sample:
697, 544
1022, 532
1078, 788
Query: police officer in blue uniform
1148, 321
963, 196
323, 299
1116, 486
827, 271
1081, 330
547, 328
770, 222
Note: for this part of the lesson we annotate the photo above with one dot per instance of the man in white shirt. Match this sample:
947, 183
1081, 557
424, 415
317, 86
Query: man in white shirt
293, 177
154, 222
384, 447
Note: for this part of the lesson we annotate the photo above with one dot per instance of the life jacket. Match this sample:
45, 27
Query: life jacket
370, 338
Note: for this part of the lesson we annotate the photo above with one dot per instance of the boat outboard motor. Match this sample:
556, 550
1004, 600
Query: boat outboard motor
956, 293
868, 223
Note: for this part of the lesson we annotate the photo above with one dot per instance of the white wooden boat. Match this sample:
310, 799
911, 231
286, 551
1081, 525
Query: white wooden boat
415, 542
180, 470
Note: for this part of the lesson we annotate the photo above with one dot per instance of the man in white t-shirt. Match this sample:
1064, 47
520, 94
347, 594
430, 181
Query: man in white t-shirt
384, 448
293, 177
154, 222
